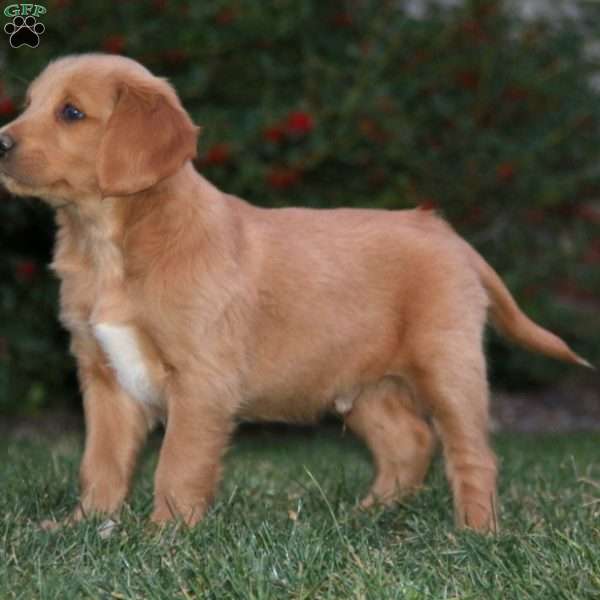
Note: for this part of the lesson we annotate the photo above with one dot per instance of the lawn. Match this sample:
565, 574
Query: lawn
286, 526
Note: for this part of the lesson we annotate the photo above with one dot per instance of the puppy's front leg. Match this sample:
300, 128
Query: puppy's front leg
189, 467
116, 427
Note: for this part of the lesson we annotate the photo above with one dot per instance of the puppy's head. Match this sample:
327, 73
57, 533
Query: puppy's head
95, 126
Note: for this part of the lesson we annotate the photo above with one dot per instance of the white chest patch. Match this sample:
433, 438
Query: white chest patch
121, 346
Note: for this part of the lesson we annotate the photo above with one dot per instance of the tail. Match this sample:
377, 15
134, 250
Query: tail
512, 322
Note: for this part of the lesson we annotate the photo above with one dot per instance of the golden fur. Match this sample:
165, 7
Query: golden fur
246, 313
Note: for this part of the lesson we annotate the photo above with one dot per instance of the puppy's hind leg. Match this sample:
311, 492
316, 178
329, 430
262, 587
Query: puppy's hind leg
453, 385
400, 441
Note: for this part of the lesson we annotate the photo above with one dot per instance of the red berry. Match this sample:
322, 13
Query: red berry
469, 80
176, 56
274, 134
226, 16
26, 270
299, 123
588, 211
282, 178
427, 203
342, 20
217, 155
114, 44
505, 171
7, 106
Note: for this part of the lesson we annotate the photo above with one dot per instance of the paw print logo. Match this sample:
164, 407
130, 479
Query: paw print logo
24, 31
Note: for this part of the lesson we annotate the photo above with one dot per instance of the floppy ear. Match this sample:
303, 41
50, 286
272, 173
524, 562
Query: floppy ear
148, 137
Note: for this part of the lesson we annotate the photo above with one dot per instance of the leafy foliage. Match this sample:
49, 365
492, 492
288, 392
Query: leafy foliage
472, 110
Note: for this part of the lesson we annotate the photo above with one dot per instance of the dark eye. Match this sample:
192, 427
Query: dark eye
71, 113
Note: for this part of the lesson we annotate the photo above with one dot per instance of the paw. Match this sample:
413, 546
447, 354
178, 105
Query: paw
169, 512
479, 517
386, 492
24, 32
50, 525
368, 502
105, 530
371, 500
54, 524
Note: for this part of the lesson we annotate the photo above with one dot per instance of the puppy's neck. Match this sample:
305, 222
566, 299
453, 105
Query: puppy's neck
170, 197
181, 202
184, 183
130, 233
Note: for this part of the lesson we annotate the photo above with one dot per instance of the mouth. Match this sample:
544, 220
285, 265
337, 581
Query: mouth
4, 178
22, 188
21, 175
7, 179
14, 185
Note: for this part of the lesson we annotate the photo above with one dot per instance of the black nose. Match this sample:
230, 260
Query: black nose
6, 144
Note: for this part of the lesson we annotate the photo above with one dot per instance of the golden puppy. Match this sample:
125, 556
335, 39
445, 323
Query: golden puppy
190, 306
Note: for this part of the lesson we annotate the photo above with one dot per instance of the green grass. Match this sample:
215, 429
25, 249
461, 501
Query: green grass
286, 526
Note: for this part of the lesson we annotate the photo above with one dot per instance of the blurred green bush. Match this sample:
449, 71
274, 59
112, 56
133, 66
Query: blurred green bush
471, 110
